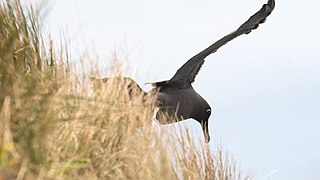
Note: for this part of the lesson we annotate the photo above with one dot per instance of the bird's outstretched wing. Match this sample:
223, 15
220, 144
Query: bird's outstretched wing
187, 73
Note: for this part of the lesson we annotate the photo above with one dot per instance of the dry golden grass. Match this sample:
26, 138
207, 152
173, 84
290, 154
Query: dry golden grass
53, 127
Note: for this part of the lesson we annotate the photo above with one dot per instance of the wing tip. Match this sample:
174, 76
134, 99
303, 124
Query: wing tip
258, 18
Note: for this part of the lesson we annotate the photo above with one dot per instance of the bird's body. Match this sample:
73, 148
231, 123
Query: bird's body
176, 99
179, 104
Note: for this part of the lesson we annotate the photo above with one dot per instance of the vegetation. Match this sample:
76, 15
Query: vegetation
52, 126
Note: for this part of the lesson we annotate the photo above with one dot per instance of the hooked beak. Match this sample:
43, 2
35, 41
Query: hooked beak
205, 130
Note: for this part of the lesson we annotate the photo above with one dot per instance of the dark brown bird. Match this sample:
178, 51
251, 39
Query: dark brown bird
176, 97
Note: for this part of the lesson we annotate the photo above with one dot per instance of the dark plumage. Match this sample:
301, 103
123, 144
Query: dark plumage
176, 97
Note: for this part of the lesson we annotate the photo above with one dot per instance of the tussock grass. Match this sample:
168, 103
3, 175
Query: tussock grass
52, 129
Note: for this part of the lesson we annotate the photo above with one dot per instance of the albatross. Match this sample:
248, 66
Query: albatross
176, 99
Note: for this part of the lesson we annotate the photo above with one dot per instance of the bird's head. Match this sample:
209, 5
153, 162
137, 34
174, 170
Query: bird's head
202, 116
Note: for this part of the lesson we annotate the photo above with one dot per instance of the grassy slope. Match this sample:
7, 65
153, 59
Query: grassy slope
53, 127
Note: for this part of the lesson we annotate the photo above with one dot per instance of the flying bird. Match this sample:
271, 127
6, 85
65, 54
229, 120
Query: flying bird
176, 100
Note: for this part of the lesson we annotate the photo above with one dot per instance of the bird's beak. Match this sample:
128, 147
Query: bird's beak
205, 130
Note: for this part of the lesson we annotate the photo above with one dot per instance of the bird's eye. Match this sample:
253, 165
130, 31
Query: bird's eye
209, 111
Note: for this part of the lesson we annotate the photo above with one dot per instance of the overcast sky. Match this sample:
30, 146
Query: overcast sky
264, 87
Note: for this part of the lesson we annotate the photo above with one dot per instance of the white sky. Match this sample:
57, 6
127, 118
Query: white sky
264, 87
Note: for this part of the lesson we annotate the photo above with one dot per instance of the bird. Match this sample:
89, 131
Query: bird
176, 99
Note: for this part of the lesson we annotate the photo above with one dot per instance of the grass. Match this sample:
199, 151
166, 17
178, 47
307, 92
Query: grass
52, 126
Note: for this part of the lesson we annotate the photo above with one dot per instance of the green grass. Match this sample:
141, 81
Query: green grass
52, 126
